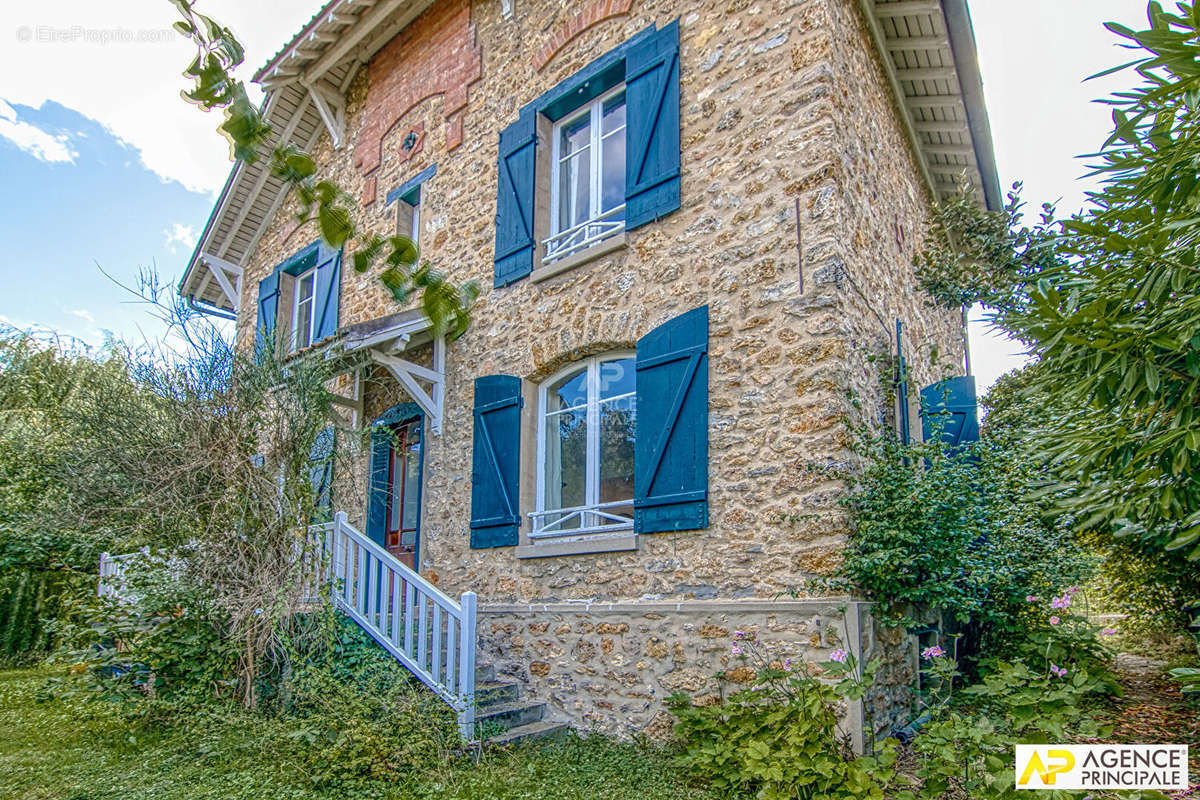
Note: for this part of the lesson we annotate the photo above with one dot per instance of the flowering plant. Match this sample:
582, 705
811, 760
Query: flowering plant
782, 732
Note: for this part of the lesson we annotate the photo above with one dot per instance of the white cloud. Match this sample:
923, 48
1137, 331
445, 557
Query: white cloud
180, 234
82, 313
132, 87
52, 147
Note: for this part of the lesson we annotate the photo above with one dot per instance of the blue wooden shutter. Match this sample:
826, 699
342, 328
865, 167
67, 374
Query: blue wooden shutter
377, 484
670, 464
955, 398
514, 200
495, 509
268, 310
327, 292
320, 471
652, 132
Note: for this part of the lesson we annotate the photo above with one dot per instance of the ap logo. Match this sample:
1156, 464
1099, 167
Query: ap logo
1046, 770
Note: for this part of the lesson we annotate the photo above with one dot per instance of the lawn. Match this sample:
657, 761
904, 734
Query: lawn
72, 749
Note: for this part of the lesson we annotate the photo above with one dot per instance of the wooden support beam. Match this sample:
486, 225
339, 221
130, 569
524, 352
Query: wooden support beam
907, 8
407, 374
926, 74
919, 43
947, 126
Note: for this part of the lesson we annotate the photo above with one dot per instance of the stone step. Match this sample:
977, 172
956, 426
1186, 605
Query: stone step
510, 715
542, 729
490, 693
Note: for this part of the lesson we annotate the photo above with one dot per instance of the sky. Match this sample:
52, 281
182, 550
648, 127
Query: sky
108, 172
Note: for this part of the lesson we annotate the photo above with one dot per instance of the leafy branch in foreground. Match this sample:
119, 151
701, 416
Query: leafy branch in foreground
322, 201
1109, 303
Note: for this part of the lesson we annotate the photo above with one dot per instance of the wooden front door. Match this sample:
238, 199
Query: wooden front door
404, 492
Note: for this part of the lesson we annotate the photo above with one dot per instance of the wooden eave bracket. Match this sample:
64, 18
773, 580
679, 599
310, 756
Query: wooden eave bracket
410, 376
216, 269
332, 108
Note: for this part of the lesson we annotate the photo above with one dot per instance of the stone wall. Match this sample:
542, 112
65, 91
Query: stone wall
785, 117
609, 667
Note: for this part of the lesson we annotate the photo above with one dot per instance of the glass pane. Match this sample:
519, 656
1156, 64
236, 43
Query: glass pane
614, 114
395, 490
412, 482
304, 323
612, 188
617, 421
574, 190
567, 392
574, 136
566, 465
616, 377
306, 287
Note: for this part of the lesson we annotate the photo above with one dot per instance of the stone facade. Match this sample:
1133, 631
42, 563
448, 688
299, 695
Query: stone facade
802, 206
609, 666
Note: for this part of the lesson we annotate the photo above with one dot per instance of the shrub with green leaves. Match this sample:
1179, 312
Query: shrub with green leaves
779, 738
957, 531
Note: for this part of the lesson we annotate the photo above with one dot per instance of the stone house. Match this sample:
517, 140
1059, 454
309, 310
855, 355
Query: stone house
694, 224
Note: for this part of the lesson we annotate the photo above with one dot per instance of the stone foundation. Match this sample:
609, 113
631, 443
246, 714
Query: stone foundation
608, 667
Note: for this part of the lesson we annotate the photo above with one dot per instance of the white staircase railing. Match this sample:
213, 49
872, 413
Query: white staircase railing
422, 627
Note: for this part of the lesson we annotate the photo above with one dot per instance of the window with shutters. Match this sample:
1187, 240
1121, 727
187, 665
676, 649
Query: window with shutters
594, 157
587, 182
587, 416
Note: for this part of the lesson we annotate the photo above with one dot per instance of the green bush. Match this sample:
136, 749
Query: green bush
1041, 696
957, 531
779, 738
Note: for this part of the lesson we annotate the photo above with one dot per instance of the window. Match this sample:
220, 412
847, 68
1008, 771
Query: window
302, 310
587, 202
587, 417
408, 215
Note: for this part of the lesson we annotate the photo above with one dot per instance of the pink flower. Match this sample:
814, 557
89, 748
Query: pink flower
1072, 589
930, 653
838, 655
736, 649
1055, 620
1030, 598
1108, 632
1061, 602
1057, 670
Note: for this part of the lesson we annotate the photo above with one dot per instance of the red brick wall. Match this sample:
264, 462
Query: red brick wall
436, 55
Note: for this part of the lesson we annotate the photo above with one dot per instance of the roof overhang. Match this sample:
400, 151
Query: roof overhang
306, 84
928, 51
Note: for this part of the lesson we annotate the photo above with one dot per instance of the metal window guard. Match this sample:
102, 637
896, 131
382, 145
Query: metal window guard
544, 530
582, 236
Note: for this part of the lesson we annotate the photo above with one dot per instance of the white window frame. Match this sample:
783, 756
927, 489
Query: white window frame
312, 317
599, 225
593, 516
414, 210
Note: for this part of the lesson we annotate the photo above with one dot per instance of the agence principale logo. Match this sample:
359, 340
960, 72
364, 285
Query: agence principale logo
1102, 766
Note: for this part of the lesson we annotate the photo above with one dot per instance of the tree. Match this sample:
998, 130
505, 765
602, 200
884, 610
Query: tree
1109, 303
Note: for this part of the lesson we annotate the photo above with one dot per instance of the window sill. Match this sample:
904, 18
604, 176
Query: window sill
603, 543
605, 247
